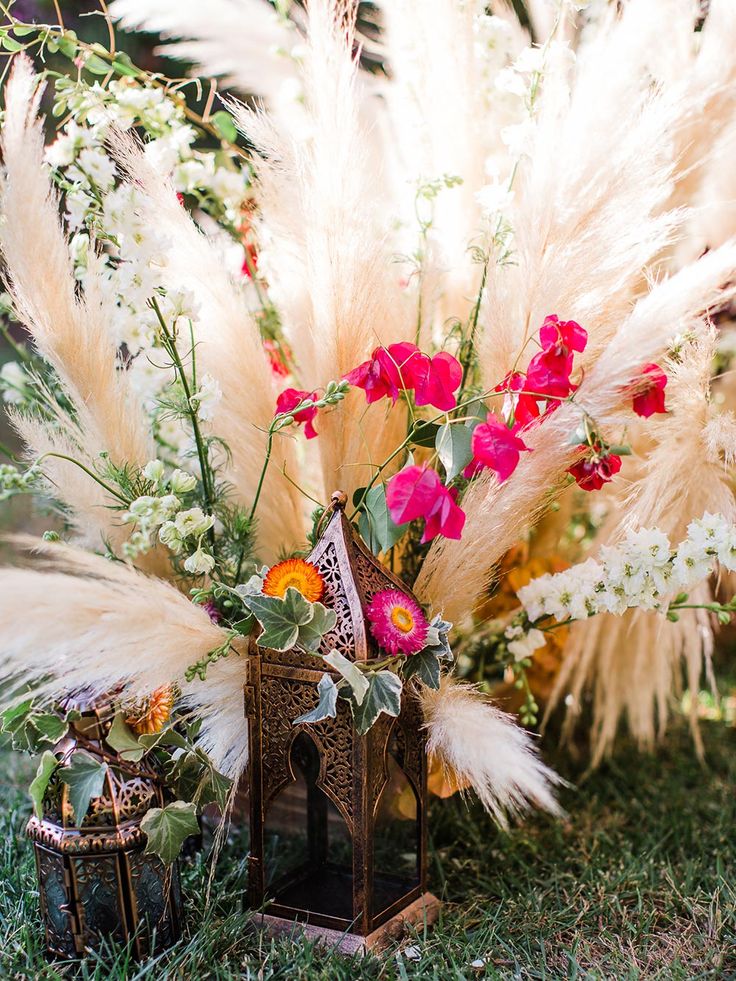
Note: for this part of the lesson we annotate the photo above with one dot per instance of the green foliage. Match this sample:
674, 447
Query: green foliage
31, 729
326, 707
167, 828
85, 778
37, 788
352, 674
383, 695
290, 621
453, 448
124, 741
375, 524
224, 125
425, 666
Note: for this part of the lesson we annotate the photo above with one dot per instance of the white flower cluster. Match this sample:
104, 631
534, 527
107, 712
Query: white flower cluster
643, 571
15, 481
180, 529
13, 383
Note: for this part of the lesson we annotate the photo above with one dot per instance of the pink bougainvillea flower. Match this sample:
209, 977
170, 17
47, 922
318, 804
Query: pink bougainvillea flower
650, 388
388, 371
417, 492
548, 374
289, 399
397, 622
592, 472
556, 333
250, 260
497, 447
518, 405
438, 384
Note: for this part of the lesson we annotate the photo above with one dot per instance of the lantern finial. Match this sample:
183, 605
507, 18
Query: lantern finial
339, 499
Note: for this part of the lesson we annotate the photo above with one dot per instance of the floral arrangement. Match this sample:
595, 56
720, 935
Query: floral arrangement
452, 294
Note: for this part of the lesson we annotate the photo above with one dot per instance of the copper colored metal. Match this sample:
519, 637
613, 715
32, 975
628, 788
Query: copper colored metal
95, 882
345, 889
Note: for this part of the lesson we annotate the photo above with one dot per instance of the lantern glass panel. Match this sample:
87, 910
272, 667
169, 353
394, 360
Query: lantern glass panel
308, 849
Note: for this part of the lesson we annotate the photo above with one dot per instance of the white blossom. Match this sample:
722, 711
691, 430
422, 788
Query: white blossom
182, 482
193, 523
199, 563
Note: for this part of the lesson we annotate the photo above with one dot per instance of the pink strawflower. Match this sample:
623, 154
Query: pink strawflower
397, 622
497, 447
417, 492
289, 399
649, 398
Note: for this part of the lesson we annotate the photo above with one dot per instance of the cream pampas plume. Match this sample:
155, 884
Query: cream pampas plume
230, 348
634, 663
119, 629
69, 331
244, 42
323, 247
456, 573
485, 747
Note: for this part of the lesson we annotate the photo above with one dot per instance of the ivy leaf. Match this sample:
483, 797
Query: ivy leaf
281, 618
167, 828
30, 730
46, 766
350, 672
377, 527
323, 621
438, 638
85, 778
124, 741
424, 665
453, 448
383, 695
224, 126
326, 707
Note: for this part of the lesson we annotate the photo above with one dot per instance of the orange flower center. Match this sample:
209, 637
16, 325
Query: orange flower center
402, 619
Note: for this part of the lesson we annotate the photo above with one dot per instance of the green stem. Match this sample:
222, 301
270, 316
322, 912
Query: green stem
22, 353
6, 451
70, 459
171, 348
264, 468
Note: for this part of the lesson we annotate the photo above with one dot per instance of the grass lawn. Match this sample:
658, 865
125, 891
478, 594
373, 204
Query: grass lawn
639, 882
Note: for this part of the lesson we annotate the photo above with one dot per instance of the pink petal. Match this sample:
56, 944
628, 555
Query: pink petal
442, 379
412, 493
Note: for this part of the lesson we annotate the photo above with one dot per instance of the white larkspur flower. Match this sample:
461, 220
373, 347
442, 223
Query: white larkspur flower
199, 563
13, 380
494, 198
206, 399
525, 646
182, 482
154, 470
690, 565
169, 536
193, 522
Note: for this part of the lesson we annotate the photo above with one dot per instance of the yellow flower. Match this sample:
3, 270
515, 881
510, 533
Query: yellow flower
297, 574
151, 715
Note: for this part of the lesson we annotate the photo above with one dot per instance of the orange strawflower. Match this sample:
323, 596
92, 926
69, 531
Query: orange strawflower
151, 715
298, 574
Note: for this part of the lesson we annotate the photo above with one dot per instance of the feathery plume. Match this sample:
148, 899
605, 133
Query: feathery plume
69, 331
486, 748
324, 246
121, 629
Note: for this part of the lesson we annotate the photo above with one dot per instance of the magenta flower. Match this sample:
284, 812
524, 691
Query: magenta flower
397, 622
649, 397
556, 333
497, 447
437, 387
402, 367
290, 399
417, 492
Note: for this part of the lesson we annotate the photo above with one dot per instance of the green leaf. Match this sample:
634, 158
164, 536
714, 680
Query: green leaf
10, 44
424, 665
21, 31
350, 672
280, 618
168, 736
224, 126
424, 434
94, 64
46, 766
68, 45
453, 448
326, 707
311, 634
124, 741
124, 66
167, 828
383, 695
377, 527
31, 730
85, 778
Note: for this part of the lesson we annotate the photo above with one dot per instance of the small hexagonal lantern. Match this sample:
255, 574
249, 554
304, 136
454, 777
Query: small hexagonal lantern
95, 882
337, 819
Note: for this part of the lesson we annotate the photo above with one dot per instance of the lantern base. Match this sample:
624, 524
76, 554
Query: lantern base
423, 910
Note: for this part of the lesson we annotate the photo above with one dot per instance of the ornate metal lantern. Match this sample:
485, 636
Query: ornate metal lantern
337, 820
95, 882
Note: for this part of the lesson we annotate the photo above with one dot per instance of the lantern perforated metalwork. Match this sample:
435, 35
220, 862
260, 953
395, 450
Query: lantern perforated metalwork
95, 882
337, 820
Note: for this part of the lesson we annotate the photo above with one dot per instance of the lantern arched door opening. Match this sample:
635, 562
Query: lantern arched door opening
308, 848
